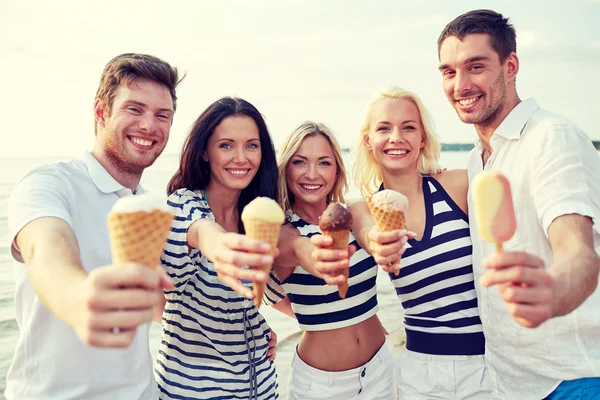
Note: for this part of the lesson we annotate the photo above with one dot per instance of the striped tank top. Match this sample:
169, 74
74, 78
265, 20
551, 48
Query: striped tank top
214, 341
318, 305
436, 284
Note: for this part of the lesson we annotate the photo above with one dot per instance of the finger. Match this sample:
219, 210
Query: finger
329, 255
245, 243
393, 248
351, 250
109, 339
335, 279
238, 273
516, 275
526, 294
124, 320
530, 316
386, 237
390, 268
125, 275
509, 259
332, 267
321, 240
239, 258
237, 286
123, 298
165, 280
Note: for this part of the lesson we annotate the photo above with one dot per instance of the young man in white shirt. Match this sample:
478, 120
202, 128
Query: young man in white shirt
547, 277
83, 320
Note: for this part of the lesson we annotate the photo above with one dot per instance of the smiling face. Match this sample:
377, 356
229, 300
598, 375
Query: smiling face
396, 134
475, 81
234, 152
135, 131
312, 170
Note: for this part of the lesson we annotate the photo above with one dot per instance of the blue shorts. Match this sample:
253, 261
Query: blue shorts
578, 389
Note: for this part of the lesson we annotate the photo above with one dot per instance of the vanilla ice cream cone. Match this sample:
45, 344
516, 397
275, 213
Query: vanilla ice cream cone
262, 219
138, 229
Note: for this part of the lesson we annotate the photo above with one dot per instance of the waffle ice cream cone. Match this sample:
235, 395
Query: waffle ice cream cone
262, 219
388, 208
138, 228
336, 222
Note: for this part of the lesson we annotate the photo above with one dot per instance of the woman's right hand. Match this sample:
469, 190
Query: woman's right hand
387, 248
331, 264
233, 252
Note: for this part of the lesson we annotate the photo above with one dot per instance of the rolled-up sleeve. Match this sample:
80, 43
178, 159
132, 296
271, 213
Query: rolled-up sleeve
564, 170
44, 192
177, 260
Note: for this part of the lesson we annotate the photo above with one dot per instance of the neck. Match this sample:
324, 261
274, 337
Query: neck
409, 183
486, 129
309, 212
130, 180
223, 201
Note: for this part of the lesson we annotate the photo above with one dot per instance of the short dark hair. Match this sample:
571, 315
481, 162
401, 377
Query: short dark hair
194, 171
125, 68
503, 38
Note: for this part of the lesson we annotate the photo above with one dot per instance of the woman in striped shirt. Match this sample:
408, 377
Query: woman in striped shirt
215, 344
444, 336
342, 353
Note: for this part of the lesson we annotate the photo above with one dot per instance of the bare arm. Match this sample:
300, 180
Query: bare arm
362, 222
285, 306
456, 183
112, 296
576, 263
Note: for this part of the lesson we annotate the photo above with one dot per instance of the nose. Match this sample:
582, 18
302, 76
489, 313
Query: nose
311, 172
146, 123
240, 155
462, 83
396, 136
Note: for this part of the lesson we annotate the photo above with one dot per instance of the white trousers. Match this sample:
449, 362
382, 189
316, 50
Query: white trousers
371, 381
425, 376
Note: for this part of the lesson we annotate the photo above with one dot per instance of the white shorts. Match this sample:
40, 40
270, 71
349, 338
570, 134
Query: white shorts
425, 376
372, 381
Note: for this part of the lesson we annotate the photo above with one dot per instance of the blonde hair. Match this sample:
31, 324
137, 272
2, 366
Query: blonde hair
366, 171
291, 145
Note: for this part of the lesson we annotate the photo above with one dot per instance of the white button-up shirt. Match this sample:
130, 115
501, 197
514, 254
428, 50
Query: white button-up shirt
50, 361
553, 170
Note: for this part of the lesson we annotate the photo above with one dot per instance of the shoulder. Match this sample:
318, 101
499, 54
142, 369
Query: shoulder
455, 179
548, 126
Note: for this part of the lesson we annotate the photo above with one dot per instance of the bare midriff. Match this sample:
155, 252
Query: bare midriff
342, 349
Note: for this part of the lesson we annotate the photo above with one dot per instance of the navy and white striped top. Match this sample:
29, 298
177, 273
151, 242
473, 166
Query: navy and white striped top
436, 283
318, 305
214, 342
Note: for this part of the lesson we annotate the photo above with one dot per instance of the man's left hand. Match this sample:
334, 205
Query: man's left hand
524, 284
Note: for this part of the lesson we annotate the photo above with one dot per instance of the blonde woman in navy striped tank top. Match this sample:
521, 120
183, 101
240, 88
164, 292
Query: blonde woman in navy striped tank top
342, 354
444, 336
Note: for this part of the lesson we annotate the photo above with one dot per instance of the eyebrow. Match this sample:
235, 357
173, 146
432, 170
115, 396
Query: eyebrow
467, 61
233, 140
139, 103
403, 122
306, 158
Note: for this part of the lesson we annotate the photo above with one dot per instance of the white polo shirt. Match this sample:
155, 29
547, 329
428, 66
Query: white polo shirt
553, 170
50, 361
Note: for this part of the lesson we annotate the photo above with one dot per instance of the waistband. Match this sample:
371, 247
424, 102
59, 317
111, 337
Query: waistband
443, 358
446, 344
383, 356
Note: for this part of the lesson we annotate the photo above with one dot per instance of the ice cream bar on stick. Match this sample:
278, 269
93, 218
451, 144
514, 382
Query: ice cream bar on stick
138, 228
388, 208
262, 219
494, 210
336, 222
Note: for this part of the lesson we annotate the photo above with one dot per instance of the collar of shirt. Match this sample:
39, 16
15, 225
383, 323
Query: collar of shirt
104, 181
512, 126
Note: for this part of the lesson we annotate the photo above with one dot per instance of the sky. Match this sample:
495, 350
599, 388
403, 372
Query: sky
294, 60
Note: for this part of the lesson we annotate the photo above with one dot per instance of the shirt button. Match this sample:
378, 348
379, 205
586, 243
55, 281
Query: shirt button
363, 373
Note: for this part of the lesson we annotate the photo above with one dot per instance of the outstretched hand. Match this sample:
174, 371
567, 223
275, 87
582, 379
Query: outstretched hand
234, 252
523, 283
331, 264
387, 248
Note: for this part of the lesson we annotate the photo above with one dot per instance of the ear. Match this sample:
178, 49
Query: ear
205, 157
512, 66
367, 143
99, 113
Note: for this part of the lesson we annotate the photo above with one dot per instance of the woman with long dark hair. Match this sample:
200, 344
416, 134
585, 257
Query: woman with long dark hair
215, 344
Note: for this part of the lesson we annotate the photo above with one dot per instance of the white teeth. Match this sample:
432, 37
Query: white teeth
311, 187
468, 102
141, 142
238, 171
396, 152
